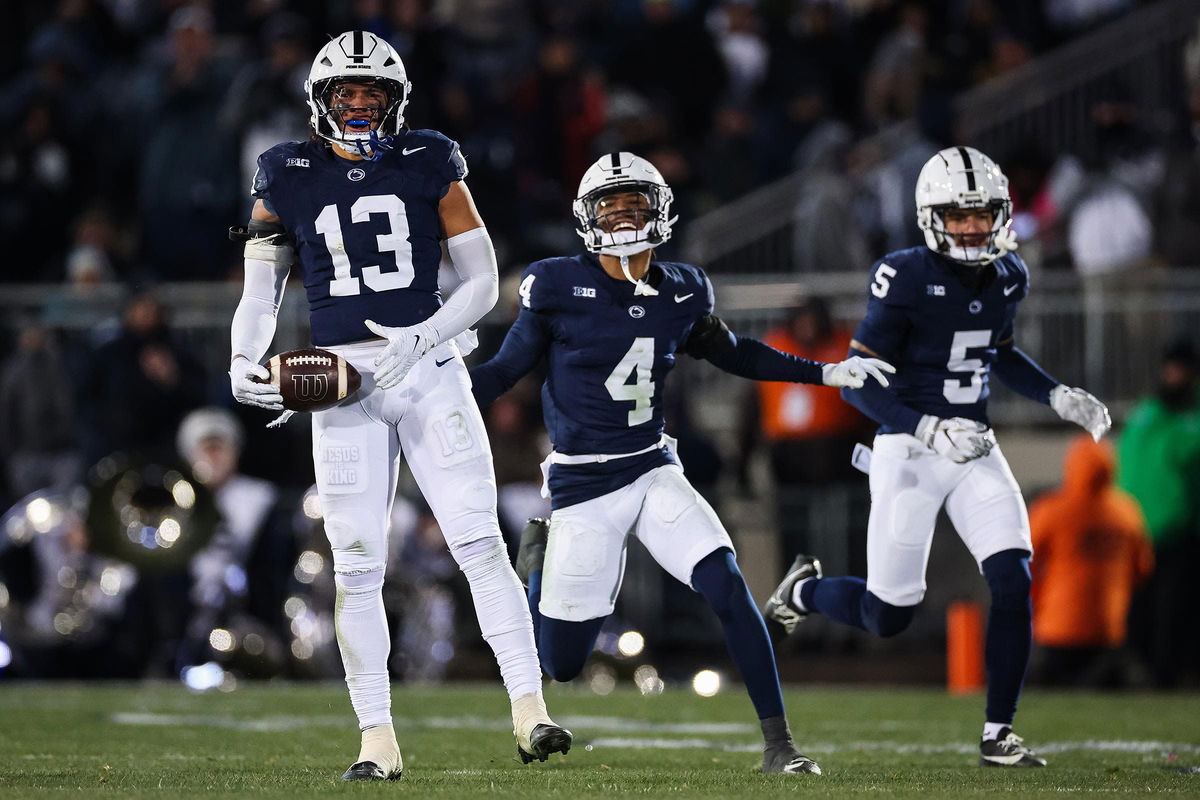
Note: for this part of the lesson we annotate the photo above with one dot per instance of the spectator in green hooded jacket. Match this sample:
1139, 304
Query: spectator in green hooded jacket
1159, 464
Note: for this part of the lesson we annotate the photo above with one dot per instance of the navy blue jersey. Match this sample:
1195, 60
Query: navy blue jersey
941, 336
367, 233
609, 354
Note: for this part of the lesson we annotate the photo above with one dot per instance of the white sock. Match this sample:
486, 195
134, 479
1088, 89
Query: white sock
364, 642
503, 613
991, 730
529, 711
796, 595
380, 748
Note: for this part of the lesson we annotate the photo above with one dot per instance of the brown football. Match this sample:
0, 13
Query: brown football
312, 380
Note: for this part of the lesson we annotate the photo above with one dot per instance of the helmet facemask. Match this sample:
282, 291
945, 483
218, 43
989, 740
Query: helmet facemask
624, 226
371, 139
975, 249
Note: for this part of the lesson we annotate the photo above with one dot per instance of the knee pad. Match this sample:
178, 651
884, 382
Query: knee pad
1007, 574
359, 581
469, 526
479, 555
719, 580
884, 619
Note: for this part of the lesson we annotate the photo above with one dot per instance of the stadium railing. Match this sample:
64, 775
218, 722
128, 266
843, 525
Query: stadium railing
1106, 334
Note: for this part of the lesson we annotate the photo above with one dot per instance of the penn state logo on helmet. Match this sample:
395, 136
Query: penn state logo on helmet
363, 58
963, 177
623, 206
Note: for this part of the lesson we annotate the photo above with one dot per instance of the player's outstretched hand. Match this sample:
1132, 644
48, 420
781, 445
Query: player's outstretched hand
854, 372
404, 349
1076, 405
253, 393
958, 439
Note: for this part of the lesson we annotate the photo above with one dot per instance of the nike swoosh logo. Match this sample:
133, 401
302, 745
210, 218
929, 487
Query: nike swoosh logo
407, 152
443, 363
1009, 290
679, 299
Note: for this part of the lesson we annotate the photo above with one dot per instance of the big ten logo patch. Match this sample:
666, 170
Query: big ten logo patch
297, 162
455, 442
585, 291
341, 469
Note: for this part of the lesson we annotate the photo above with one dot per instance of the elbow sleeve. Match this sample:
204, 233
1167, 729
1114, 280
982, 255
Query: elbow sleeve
253, 325
475, 261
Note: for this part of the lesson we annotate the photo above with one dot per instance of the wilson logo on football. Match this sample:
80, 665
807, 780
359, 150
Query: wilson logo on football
312, 379
310, 387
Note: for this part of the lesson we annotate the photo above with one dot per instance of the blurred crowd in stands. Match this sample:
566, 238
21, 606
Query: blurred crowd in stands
130, 129
127, 147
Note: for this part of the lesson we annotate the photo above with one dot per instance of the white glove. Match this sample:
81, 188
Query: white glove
854, 371
282, 419
252, 393
1080, 407
958, 439
406, 346
467, 341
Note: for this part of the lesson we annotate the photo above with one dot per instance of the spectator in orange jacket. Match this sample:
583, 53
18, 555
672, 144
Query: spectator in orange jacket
1092, 549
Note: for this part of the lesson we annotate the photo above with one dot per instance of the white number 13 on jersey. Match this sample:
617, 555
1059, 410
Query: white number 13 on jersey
329, 225
638, 363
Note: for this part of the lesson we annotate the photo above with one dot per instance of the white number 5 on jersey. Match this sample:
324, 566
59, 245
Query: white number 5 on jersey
953, 389
883, 280
638, 362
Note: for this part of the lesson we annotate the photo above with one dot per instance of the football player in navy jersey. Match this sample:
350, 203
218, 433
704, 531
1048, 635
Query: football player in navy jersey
943, 314
366, 204
611, 323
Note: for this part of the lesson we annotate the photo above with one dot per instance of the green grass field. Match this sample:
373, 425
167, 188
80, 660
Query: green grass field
290, 741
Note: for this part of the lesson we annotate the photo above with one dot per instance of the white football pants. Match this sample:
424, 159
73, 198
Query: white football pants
585, 554
433, 420
909, 484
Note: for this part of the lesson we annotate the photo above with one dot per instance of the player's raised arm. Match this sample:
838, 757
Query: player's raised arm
747, 357
268, 259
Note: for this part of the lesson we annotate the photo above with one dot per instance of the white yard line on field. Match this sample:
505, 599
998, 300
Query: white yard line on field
584, 725
468, 722
1116, 746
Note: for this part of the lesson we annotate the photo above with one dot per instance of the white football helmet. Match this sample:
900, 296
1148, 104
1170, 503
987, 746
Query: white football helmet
359, 57
616, 173
963, 177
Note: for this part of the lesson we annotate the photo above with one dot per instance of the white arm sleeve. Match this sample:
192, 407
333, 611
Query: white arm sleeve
253, 325
475, 262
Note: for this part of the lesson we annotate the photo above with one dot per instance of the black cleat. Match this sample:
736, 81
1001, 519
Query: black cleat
369, 771
544, 740
1007, 750
788, 761
780, 607
532, 551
